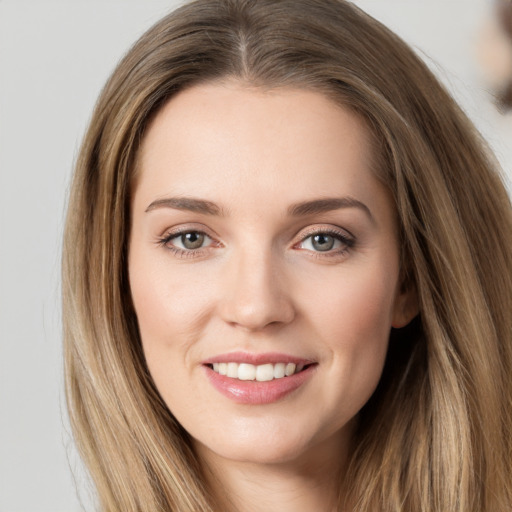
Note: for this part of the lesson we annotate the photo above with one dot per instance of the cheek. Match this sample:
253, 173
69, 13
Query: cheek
171, 315
356, 306
353, 318
170, 304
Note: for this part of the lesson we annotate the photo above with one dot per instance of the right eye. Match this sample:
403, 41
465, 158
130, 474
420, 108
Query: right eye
189, 240
186, 243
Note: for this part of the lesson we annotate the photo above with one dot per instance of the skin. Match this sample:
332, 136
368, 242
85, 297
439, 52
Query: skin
495, 53
258, 284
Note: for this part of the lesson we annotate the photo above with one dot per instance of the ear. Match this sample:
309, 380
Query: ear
406, 306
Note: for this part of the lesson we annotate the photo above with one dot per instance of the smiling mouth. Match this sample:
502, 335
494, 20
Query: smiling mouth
259, 373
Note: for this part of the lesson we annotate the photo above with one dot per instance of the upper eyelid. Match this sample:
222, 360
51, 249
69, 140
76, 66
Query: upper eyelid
307, 232
180, 229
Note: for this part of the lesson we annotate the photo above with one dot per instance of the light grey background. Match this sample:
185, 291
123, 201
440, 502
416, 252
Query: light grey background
54, 59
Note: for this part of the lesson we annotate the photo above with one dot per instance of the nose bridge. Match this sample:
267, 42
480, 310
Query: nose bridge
256, 295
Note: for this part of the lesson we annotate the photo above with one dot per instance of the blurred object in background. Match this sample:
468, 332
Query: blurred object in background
495, 53
505, 18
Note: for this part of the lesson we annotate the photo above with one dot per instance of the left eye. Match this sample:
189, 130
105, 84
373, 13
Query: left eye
190, 240
323, 242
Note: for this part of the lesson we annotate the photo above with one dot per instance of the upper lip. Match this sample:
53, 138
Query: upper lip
257, 359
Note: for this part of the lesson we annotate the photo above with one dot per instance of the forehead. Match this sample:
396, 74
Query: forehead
226, 137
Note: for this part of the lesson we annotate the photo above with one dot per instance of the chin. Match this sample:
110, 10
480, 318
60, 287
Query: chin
269, 453
268, 444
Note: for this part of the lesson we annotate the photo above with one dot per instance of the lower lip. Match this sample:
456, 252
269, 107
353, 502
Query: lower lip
258, 393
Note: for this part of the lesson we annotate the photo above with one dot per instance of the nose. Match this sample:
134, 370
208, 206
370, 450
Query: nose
256, 294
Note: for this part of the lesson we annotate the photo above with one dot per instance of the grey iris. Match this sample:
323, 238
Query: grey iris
192, 240
323, 242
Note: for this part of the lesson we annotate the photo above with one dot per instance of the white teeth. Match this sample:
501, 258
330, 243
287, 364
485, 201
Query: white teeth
264, 372
246, 371
232, 370
290, 369
279, 372
260, 373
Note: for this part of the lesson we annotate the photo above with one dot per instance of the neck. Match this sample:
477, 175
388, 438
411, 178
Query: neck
311, 482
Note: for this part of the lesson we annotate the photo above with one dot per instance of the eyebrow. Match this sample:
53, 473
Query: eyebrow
326, 205
191, 204
301, 209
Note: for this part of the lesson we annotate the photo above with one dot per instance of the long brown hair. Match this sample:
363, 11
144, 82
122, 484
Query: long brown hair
437, 434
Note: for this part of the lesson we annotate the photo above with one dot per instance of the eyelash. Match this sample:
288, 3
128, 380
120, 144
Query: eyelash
347, 241
183, 253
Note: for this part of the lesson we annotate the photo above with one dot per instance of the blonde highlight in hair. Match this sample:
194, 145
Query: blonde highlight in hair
437, 433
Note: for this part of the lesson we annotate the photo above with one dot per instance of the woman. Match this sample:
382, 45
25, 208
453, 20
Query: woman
287, 274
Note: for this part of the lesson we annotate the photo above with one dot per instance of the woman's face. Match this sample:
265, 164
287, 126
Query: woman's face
263, 247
